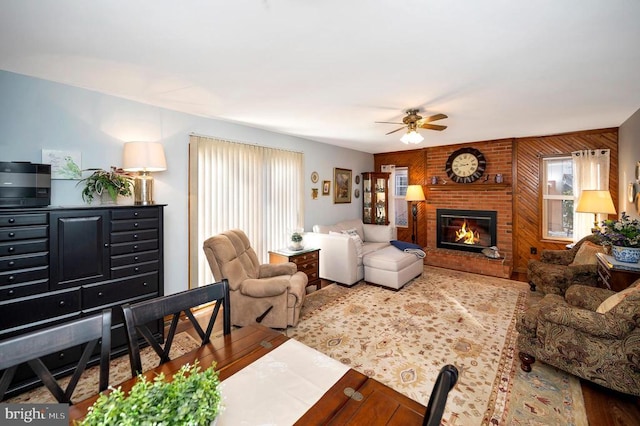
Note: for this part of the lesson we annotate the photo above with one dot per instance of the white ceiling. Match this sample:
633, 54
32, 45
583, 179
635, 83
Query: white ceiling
326, 70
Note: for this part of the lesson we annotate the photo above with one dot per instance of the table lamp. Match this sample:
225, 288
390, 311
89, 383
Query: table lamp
143, 157
597, 202
415, 195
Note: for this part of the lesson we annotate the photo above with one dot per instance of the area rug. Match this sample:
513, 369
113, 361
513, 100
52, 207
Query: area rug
403, 338
119, 371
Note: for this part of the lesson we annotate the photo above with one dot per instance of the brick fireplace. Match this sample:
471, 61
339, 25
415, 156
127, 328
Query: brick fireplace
482, 195
466, 230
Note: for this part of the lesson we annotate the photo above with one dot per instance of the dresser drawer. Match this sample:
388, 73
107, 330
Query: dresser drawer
24, 233
127, 248
23, 219
125, 237
24, 275
113, 291
23, 289
308, 267
138, 268
134, 224
130, 259
304, 258
134, 213
11, 263
33, 309
22, 247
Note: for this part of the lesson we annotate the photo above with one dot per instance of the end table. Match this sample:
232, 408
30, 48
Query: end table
307, 260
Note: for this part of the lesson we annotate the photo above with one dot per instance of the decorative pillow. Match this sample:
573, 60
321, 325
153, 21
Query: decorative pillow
353, 234
613, 300
587, 254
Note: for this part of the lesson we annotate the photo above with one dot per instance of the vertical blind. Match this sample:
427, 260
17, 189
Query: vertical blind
240, 186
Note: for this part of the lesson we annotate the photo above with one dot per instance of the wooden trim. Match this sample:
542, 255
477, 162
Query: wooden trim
467, 187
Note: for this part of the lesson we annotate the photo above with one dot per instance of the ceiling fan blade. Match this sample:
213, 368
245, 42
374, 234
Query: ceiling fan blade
433, 118
388, 122
432, 126
396, 130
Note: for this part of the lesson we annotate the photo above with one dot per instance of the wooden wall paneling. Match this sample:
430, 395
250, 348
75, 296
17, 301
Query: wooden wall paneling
527, 201
415, 161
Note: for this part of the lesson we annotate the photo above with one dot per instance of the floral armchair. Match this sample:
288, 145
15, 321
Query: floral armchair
556, 269
591, 332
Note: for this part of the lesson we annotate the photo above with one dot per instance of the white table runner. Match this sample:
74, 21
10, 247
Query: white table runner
280, 387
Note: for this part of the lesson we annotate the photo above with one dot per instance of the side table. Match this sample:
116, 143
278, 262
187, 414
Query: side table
307, 260
615, 275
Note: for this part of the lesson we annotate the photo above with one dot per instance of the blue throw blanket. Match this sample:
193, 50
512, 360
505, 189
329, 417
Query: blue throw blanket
408, 248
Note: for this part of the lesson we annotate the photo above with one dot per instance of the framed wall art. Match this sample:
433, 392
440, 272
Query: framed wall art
64, 164
326, 187
341, 185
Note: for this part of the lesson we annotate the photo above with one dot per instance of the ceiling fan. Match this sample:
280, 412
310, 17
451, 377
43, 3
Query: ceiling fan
413, 121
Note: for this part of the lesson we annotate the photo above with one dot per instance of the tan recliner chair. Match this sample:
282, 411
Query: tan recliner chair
270, 294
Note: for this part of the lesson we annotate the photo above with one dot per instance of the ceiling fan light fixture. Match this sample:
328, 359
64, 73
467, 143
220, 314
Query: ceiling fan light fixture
411, 137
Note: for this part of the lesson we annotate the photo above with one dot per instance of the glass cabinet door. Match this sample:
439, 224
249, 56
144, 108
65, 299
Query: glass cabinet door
375, 205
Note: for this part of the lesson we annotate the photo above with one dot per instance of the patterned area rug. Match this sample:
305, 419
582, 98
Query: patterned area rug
403, 338
119, 371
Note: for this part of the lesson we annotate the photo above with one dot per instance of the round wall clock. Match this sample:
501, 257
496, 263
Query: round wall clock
314, 177
465, 165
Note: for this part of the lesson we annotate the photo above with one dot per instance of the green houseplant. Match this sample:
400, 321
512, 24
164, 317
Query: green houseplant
112, 183
192, 398
623, 235
296, 239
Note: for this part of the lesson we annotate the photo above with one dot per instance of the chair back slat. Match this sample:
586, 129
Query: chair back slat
447, 378
31, 347
137, 317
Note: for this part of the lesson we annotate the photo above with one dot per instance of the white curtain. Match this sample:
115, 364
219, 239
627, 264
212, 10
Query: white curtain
590, 171
240, 186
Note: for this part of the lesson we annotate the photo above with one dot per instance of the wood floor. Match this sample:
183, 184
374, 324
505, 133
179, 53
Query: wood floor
604, 406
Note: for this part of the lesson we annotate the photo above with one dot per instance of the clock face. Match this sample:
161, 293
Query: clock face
465, 165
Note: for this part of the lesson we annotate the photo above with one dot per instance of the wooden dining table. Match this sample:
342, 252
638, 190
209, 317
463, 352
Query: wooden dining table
353, 399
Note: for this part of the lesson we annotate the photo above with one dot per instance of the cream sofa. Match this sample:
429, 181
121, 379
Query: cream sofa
339, 260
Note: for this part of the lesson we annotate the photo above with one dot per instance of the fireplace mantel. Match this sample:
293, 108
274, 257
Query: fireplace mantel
478, 187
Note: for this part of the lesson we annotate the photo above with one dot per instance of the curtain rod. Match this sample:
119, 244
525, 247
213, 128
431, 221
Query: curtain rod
243, 143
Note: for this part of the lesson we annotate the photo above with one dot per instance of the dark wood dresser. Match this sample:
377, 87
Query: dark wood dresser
307, 260
615, 275
59, 264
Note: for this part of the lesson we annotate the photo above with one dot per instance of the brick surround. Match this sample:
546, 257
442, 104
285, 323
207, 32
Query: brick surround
479, 195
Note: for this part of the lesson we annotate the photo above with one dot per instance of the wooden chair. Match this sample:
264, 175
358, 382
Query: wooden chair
447, 378
138, 315
31, 347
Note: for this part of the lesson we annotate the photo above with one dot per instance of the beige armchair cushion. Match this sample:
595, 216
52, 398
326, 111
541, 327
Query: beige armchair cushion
613, 301
586, 255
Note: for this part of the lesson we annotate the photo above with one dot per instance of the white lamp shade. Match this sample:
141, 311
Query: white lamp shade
595, 201
411, 137
143, 157
414, 193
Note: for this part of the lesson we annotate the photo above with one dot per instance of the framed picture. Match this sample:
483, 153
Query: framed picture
64, 164
326, 187
342, 185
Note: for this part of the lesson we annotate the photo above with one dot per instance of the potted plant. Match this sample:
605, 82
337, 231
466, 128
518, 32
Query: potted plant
192, 398
296, 239
623, 236
107, 184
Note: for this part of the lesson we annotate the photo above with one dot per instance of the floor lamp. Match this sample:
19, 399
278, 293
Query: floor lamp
415, 195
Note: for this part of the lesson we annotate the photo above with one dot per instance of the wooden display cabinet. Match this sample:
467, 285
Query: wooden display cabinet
375, 199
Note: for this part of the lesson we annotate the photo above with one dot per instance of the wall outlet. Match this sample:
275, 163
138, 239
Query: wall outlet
533, 250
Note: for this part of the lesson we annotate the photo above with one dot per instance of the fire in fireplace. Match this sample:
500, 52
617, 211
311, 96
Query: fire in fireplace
467, 230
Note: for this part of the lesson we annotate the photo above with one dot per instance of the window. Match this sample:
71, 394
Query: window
557, 198
400, 190
249, 187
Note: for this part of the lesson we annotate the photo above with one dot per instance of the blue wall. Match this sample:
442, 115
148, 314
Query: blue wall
37, 114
